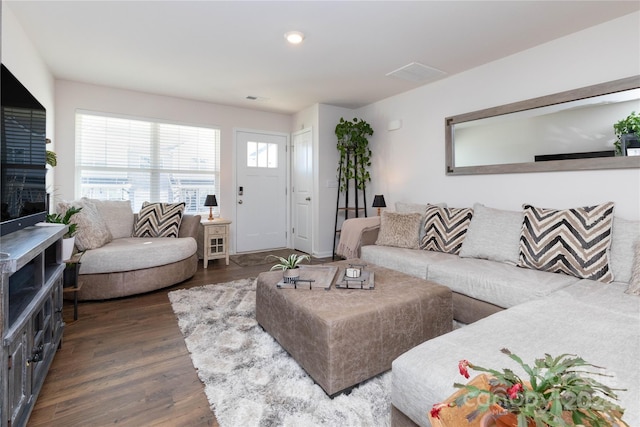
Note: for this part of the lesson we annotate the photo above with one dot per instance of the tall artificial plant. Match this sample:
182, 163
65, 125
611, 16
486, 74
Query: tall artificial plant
355, 155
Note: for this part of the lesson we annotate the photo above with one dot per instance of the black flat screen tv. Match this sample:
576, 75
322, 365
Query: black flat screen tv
23, 193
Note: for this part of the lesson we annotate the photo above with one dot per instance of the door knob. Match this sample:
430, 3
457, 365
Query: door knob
308, 199
239, 202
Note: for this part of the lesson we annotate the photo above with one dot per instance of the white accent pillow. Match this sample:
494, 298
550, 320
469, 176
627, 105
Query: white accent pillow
493, 234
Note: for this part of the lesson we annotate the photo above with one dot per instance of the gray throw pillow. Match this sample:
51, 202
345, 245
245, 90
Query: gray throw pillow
625, 234
92, 231
399, 229
493, 234
117, 214
634, 282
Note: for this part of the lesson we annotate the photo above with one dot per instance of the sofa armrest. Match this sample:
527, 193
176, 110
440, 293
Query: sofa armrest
369, 236
355, 233
189, 226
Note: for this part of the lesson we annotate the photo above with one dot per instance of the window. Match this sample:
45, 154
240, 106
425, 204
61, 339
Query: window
120, 158
262, 155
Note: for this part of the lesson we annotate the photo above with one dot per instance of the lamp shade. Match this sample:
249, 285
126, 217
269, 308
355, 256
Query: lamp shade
211, 200
378, 201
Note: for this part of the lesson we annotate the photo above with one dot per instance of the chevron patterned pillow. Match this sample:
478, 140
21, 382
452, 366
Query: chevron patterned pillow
445, 228
159, 220
570, 241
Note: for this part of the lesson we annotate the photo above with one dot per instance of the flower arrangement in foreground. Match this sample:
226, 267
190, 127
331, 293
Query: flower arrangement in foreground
556, 386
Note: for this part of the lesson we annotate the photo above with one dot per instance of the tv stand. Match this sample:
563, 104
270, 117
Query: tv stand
31, 325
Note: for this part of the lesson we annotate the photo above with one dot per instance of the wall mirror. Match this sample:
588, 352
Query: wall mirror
571, 130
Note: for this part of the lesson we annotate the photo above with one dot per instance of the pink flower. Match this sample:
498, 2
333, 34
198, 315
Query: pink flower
435, 411
462, 366
514, 390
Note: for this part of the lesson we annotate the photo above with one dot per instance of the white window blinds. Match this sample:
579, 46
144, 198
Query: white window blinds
120, 158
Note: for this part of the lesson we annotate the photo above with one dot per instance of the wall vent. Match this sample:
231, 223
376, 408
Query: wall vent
417, 73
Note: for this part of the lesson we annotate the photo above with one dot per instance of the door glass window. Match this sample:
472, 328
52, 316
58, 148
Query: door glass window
262, 155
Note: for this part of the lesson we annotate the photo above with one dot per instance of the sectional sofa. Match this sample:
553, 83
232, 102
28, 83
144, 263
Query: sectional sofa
494, 260
126, 254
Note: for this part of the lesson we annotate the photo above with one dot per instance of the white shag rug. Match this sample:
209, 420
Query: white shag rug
250, 380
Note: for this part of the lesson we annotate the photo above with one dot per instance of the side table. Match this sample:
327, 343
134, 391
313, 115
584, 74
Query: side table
213, 240
71, 282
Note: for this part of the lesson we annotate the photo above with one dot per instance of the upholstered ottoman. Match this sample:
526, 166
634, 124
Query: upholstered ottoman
343, 337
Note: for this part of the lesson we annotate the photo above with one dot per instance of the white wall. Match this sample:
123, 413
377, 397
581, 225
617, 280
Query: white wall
71, 96
409, 163
23, 60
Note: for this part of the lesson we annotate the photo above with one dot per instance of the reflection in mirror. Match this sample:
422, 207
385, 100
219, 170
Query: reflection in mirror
567, 131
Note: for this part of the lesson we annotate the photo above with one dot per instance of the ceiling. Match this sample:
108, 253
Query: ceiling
224, 51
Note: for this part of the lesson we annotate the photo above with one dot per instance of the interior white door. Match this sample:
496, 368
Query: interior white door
302, 190
261, 199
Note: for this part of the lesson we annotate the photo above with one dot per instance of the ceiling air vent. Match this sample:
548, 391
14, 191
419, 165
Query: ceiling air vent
417, 73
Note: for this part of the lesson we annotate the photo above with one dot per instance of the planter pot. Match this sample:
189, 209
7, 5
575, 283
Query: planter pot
629, 141
291, 275
67, 248
501, 420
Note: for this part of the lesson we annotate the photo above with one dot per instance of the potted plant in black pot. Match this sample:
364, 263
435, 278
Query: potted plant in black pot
627, 133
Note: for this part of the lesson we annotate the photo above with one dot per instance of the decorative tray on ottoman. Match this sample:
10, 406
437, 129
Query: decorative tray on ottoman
314, 277
364, 280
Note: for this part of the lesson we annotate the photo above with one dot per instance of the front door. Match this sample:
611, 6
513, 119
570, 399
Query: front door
261, 193
301, 190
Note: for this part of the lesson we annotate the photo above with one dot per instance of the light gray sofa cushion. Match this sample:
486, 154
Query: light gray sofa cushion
409, 261
118, 216
500, 284
560, 323
625, 234
493, 234
135, 253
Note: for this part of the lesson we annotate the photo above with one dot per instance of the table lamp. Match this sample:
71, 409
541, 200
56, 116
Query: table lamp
211, 202
378, 202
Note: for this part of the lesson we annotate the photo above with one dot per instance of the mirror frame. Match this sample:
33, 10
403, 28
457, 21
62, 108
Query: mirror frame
543, 101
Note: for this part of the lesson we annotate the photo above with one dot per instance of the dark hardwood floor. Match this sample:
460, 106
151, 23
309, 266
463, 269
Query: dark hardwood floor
124, 362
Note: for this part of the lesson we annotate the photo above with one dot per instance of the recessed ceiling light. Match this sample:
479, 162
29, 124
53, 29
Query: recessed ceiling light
294, 37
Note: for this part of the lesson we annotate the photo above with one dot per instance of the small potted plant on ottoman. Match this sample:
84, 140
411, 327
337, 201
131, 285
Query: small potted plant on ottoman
289, 266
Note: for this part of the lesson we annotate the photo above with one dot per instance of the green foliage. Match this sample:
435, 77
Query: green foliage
353, 146
66, 220
630, 124
555, 385
52, 158
288, 263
